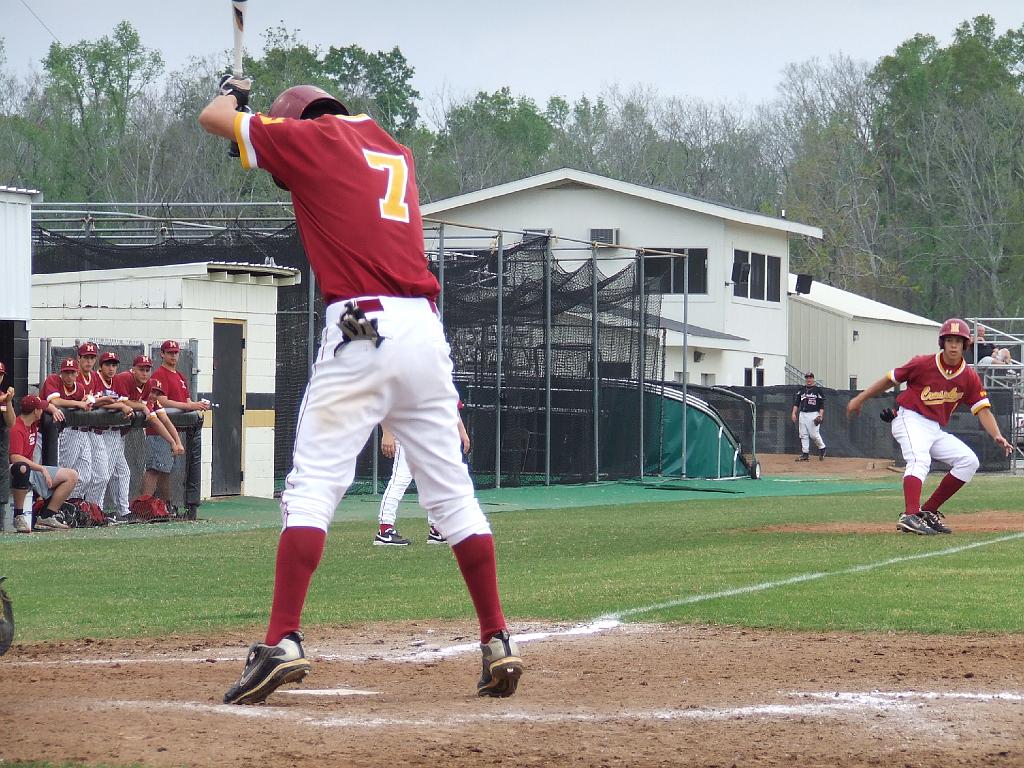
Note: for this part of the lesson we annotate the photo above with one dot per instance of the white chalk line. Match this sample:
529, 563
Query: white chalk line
601, 624
807, 577
837, 704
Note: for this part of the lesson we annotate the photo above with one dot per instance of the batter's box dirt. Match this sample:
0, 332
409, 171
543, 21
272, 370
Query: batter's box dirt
636, 695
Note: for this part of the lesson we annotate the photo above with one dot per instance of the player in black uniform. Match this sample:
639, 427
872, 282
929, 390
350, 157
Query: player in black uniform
808, 413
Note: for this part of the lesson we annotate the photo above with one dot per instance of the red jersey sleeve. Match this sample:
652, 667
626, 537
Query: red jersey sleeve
51, 387
974, 391
123, 384
906, 371
273, 144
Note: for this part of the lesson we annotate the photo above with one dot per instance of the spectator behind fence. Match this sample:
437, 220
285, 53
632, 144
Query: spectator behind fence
176, 395
136, 385
52, 484
7, 417
74, 446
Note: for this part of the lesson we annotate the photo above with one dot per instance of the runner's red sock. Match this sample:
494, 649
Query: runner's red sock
475, 556
912, 494
298, 554
385, 528
947, 488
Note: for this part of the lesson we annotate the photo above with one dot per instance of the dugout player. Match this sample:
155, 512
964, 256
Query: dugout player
54, 484
936, 384
116, 470
176, 395
808, 413
74, 446
99, 476
383, 359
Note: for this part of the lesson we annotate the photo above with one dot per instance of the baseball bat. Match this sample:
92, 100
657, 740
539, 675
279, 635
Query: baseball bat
238, 9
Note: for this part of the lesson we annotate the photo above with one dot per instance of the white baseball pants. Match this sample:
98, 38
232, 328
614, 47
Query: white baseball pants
100, 475
405, 384
117, 471
809, 431
922, 439
401, 477
74, 451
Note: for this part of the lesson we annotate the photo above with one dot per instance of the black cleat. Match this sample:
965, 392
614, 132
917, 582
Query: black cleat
914, 524
934, 521
502, 666
821, 454
804, 457
267, 668
390, 538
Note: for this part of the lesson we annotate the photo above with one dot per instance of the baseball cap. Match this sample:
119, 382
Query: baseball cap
156, 386
143, 361
170, 346
87, 348
31, 403
68, 364
108, 357
808, 375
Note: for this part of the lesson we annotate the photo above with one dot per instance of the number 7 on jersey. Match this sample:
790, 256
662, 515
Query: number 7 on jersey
392, 205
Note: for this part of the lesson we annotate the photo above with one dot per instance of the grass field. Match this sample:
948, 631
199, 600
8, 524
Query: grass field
626, 551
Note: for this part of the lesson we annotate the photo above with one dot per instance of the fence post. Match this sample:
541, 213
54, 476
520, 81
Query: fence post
498, 362
642, 373
547, 362
686, 339
193, 374
45, 344
440, 272
595, 352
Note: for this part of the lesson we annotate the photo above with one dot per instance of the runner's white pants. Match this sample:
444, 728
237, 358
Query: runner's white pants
405, 384
922, 440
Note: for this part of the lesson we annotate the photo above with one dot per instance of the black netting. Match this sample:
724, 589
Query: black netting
510, 428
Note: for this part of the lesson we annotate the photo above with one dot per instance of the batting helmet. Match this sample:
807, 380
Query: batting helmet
305, 102
955, 327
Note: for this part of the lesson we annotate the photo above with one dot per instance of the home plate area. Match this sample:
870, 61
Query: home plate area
614, 694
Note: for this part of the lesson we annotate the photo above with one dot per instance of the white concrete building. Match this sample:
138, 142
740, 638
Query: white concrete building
737, 329
849, 341
229, 309
16, 281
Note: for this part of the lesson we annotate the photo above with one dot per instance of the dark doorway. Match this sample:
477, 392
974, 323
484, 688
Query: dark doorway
228, 351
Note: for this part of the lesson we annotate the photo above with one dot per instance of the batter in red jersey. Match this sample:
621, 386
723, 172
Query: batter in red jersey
383, 359
936, 385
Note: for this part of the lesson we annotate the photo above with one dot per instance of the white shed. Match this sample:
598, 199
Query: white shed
849, 341
229, 309
737, 329
16, 283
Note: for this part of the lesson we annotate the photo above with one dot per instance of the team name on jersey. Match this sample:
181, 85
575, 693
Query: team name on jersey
932, 397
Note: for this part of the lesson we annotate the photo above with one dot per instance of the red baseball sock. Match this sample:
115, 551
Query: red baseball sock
298, 554
912, 494
475, 556
947, 488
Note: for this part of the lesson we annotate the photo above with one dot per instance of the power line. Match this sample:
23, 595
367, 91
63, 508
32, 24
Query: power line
43, 23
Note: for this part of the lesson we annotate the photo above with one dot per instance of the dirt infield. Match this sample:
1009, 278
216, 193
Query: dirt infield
786, 465
629, 695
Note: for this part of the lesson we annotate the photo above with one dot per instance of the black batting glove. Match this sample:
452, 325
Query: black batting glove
239, 87
887, 415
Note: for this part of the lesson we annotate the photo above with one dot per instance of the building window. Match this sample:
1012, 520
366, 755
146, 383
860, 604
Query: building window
760, 377
664, 274
707, 379
763, 279
853, 382
748, 377
773, 291
757, 276
741, 274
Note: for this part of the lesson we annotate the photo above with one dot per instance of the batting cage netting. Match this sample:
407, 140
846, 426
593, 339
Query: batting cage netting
552, 345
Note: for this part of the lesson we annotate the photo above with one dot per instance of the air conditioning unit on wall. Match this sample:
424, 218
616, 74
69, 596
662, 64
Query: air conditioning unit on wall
607, 236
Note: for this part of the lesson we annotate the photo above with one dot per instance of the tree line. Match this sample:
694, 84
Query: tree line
913, 166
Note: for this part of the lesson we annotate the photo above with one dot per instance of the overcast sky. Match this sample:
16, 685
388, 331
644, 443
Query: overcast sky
719, 50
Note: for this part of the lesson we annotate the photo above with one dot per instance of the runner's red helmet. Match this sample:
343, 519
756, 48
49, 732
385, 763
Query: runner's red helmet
955, 327
305, 102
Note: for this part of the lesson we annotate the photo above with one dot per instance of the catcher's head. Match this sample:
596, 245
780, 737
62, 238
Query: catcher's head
305, 102
954, 327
